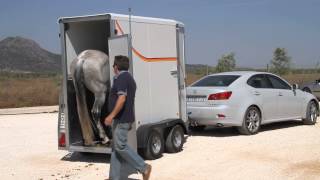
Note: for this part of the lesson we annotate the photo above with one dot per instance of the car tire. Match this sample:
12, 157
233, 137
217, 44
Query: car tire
251, 121
196, 128
175, 139
154, 147
312, 114
307, 90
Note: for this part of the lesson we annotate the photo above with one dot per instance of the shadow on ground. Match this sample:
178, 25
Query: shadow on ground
87, 157
280, 125
91, 158
232, 131
216, 132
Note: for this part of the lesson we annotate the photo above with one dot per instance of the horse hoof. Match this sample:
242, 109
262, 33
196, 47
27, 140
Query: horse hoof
105, 141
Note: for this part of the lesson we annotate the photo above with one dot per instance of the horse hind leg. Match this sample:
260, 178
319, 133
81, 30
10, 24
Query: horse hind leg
96, 114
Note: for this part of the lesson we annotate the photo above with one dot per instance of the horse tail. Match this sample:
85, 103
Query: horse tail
78, 82
84, 117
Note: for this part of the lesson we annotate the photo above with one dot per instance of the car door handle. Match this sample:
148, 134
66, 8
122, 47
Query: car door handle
256, 93
174, 72
280, 94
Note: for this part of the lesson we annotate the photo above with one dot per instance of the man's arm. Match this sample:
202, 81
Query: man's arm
119, 105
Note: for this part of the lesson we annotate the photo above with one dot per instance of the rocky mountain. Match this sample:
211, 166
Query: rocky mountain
25, 55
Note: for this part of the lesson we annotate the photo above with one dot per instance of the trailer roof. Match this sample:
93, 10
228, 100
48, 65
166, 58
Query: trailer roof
119, 17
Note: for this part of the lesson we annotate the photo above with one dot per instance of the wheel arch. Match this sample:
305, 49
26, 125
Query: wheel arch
253, 105
260, 111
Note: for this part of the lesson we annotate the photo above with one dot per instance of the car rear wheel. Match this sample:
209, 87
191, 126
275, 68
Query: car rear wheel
251, 122
312, 114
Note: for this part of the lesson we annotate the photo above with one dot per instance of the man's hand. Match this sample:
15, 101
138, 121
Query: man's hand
108, 120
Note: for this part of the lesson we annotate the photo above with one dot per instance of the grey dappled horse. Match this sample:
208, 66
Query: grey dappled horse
91, 69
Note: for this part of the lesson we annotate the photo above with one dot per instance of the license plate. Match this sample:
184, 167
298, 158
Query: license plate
196, 99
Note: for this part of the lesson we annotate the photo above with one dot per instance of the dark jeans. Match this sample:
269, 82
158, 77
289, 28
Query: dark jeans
122, 154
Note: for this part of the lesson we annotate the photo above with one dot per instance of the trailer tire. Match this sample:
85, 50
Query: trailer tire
175, 139
155, 146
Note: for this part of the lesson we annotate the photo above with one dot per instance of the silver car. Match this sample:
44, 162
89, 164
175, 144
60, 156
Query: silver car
247, 100
313, 88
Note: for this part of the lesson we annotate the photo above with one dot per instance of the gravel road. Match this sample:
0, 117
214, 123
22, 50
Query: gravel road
289, 150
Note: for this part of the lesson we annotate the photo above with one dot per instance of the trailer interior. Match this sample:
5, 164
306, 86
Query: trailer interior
80, 36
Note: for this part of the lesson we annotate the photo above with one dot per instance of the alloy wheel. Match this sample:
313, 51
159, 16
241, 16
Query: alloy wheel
252, 120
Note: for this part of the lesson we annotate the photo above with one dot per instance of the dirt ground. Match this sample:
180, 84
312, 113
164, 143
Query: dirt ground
289, 150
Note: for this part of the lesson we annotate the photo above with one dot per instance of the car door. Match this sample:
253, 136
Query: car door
288, 101
264, 96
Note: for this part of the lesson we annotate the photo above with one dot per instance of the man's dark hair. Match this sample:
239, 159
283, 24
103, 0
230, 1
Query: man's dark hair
122, 62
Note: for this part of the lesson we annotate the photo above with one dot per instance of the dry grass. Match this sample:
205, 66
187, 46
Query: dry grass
192, 78
28, 92
301, 78
44, 91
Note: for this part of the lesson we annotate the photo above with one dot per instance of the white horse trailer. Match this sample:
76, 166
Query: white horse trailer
155, 48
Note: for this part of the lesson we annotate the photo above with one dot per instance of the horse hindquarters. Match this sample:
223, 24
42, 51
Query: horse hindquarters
84, 117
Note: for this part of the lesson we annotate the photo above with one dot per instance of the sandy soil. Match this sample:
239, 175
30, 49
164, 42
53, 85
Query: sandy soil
290, 150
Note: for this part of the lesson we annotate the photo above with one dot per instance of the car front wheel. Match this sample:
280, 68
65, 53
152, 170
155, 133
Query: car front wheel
312, 114
251, 122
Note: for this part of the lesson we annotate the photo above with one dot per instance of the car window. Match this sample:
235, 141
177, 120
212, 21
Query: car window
218, 80
278, 83
259, 81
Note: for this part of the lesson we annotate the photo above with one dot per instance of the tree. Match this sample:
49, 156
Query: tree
280, 62
227, 62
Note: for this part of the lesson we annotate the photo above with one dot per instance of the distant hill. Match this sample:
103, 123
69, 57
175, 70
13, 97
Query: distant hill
19, 54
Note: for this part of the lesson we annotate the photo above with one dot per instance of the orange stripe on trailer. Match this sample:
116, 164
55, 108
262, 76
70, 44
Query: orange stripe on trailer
152, 59
137, 53
118, 27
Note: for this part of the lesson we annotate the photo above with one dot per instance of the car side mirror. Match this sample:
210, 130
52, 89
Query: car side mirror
295, 87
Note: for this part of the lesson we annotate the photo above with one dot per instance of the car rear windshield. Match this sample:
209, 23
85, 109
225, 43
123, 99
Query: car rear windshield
219, 80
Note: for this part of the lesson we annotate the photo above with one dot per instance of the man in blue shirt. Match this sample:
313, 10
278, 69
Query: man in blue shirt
121, 106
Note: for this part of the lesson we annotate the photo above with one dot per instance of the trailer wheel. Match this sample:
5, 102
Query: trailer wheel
155, 146
175, 139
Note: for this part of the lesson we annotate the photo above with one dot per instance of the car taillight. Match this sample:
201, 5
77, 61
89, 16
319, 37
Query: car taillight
62, 140
220, 96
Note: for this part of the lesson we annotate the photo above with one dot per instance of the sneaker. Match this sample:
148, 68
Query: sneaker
147, 172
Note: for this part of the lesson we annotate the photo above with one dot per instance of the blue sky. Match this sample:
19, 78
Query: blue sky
251, 29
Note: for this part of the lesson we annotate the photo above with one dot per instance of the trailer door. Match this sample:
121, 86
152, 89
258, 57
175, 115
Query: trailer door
120, 45
181, 73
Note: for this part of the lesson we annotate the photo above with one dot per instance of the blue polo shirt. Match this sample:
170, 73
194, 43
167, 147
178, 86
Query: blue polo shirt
123, 84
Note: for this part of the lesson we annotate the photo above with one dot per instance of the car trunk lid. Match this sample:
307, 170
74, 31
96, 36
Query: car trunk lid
198, 96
